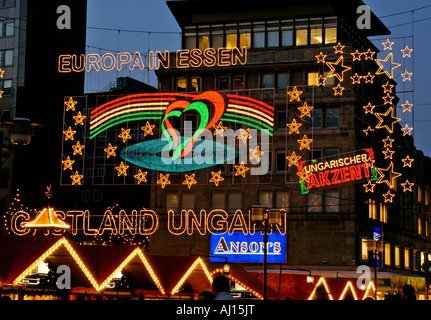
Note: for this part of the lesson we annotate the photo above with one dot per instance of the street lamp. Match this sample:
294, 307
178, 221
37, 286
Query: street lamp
265, 216
20, 130
375, 246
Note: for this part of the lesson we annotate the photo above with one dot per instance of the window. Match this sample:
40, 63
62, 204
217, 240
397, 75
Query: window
7, 28
217, 36
331, 154
85, 195
301, 32
181, 84
332, 200
218, 200
204, 37
372, 209
427, 196
7, 3
287, 33
330, 30
282, 80
364, 249
6, 87
238, 82
387, 254
314, 202
234, 201
316, 119
265, 199
223, 83
281, 200
331, 119
406, 258
316, 34
419, 194
281, 120
267, 80
245, 35
195, 84
383, 213
315, 155
6, 58
312, 78
397, 257
273, 34
190, 35
259, 35
281, 162
419, 226
97, 195
231, 36
172, 202
188, 201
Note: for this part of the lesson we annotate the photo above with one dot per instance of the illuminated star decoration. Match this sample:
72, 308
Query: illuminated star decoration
244, 135
110, 150
406, 52
369, 129
67, 163
320, 57
389, 196
369, 54
1, 73
190, 180
339, 64
68, 134
369, 187
141, 176
381, 67
303, 176
407, 162
305, 110
356, 55
216, 178
388, 142
356, 78
241, 170
407, 106
305, 142
388, 99
77, 148
388, 153
79, 119
122, 169
407, 130
125, 135
369, 108
293, 159
148, 128
387, 87
407, 186
391, 118
338, 90
294, 126
339, 48
389, 171
407, 76
387, 44
255, 154
294, 94
219, 129
163, 180
70, 105
76, 178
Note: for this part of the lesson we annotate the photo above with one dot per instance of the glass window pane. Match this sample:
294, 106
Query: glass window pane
281, 120
332, 118
259, 35
8, 58
195, 84
281, 165
188, 201
190, 35
231, 36
265, 199
281, 200
218, 200
7, 87
245, 35
331, 154
204, 37
287, 33
330, 30
301, 32
238, 82
268, 80
273, 33
224, 83
314, 202
332, 200
10, 28
234, 201
316, 36
172, 202
312, 78
181, 84
282, 80
316, 119
217, 36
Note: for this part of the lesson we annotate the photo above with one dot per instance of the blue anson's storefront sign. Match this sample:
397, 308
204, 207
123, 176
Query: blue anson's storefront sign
239, 247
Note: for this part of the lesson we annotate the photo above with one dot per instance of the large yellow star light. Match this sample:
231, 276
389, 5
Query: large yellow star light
294, 94
77, 148
110, 150
392, 63
216, 178
141, 176
303, 176
125, 135
388, 175
68, 134
387, 117
122, 169
294, 126
79, 118
190, 180
163, 180
336, 68
241, 170
148, 128
305, 110
305, 142
67, 163
76, 178
70, 105
293, 159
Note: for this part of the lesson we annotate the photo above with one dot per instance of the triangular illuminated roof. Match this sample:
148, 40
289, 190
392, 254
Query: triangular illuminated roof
47, 218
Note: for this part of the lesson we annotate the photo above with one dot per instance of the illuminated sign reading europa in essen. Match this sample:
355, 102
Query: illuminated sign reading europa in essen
185, 58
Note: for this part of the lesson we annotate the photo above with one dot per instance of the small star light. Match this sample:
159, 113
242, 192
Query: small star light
356, 55
219, 129
369, 54
338, 90
190, 180
164, 180
339, 48
305, 142
294, 126
241, 169
382, 120
255, 154
76, 178
77, 148
407, 106
320, 57
68, 134
244, 135
294, 94
293, 159
387, 88
407, 76
407, 130
110, 150
389, 196
356, 78
388, 142
1, 73
148, 128
141, 176
303, 176
388, 153
70, 105
369, 108
67, 163
122, 169
406, 52
407, 186
125, 135
369, 187
79, 119
407, 162
216, 178
387, 44
305, 110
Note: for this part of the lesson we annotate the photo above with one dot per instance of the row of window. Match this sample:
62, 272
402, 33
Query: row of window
399, 257
262, 34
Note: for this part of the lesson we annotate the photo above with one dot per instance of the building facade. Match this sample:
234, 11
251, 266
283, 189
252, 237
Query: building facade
297, 56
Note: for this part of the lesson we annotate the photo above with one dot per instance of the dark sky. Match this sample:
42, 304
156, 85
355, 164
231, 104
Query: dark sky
408, 21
